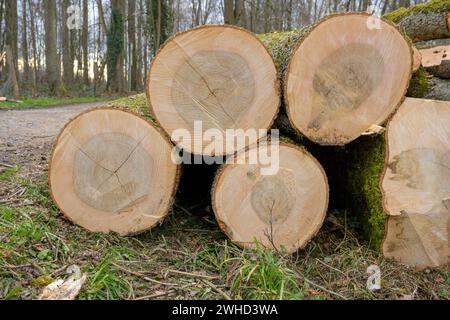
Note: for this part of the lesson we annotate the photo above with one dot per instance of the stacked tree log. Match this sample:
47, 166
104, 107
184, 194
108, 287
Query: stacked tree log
342, 80
355, 170
224, 78
337, 95
428, 26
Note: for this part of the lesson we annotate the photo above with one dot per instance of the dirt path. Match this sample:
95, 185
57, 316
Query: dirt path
26, 136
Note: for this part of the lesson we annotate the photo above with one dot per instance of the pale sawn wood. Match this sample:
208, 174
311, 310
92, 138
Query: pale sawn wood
111, 170
436, 60
280, 211
345, 76
416, 184
222, 76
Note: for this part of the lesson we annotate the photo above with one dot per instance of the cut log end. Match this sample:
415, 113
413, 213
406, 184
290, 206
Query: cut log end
282, 211
416, 185
436, 60
112, 171
356, 79
221, 76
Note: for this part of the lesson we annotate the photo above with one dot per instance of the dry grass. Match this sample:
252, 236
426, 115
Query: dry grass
187, 257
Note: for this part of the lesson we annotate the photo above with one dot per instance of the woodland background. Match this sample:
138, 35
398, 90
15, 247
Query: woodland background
98, 47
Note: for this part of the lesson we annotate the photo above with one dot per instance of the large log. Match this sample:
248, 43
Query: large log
416, 184
282, 210
111, 170
344, 76
425, 21
222, 76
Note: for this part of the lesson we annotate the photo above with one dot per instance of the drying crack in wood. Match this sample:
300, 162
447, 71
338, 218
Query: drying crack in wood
220, 75
139, 159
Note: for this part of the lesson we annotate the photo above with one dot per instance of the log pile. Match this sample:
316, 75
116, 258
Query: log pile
338, 83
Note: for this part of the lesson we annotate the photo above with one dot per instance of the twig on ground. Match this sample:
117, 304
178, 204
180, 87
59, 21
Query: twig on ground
142, 275
155, 295
162, 294
332, 268
6, 165
215, 288
345, 232
195, 275
324, 289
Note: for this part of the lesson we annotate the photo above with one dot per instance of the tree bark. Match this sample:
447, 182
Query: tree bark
51, 56
426, 21
26, 65
11, 84
234, 12
439, 89
132, 45
67, 56
34, 47
11, 31
84, 42
116, 47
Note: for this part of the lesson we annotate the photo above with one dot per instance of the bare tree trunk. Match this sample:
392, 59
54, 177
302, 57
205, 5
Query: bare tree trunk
11, 83
234, 12
66, 52
11, 31
51, 56
84, 40
115, 47
140, 64
33, 43
101, 16
26, 65
228, 12
2, 2
132, 44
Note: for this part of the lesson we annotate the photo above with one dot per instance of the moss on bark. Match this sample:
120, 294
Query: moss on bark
425, 21
365, 165
418, 86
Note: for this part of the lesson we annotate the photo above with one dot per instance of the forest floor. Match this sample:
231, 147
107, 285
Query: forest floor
186, 257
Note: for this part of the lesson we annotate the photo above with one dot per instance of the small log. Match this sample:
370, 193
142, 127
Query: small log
338, 70
281, 211
425, 21
436, 60
416, 184
438, 89
222, 76
111, 170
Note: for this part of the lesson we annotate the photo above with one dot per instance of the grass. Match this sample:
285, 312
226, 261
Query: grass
48, 102
187, 257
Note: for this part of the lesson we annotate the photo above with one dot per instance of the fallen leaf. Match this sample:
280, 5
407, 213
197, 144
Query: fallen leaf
65, 289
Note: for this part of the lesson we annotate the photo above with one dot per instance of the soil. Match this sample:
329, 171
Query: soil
27, 135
